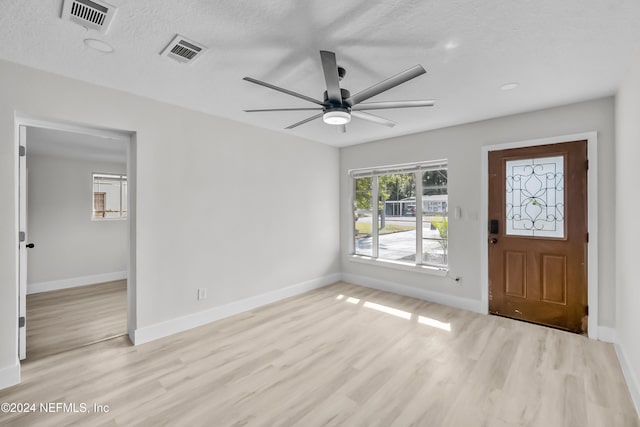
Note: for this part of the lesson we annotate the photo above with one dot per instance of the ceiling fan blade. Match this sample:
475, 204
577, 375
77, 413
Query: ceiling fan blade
342, 129
330, 69
301, 122
387, 84
373, 118
394, 104
281, 109
279, 89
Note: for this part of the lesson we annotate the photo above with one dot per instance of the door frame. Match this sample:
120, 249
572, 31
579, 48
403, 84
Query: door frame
592, 218
23, 176
129, 137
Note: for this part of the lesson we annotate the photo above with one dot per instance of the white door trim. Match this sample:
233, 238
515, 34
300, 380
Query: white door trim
592, 218
129, 137
37, 122
22, 245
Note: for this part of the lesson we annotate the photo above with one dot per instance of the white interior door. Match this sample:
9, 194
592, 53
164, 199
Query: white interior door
22, 220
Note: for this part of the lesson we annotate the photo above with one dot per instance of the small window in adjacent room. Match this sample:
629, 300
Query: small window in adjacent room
401, 213
109, 196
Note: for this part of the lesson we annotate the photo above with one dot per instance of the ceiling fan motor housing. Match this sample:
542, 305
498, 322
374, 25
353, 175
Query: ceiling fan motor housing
344, 93
335, 113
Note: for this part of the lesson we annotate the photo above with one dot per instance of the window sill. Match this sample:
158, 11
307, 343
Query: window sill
425, 269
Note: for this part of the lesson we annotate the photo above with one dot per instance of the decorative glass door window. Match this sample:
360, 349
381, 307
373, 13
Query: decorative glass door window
535, 197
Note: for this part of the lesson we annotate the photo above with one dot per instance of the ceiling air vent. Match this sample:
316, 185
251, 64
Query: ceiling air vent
183, 50
93, 14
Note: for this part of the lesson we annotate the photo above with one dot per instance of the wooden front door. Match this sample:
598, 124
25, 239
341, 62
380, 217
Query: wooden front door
538, 234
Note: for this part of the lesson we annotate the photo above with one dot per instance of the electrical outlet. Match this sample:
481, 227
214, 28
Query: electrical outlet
202, 293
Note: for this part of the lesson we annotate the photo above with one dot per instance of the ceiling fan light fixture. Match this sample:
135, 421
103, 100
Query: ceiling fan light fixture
336, 117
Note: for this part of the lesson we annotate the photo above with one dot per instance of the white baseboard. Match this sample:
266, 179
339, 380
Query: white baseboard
397, 288
606, 334
179, 324
630, 377
9, 376
54, 285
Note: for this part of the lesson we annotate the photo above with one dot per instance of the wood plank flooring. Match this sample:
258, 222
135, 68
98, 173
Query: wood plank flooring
62, 320
342, 355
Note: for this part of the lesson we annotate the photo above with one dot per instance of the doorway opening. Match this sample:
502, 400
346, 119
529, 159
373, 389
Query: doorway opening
75, 264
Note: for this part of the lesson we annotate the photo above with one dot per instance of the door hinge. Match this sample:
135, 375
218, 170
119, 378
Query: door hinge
587, 237
586, 310
21, 321
22, 236
23, 151
586, 164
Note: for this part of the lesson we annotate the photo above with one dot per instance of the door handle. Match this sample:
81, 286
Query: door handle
30, 245
493, 240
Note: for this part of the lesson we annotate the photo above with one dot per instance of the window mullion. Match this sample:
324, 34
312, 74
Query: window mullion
374, 216
354, 216
121, 196
418, 181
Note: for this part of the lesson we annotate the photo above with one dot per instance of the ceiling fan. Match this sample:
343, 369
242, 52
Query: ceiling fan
339, 105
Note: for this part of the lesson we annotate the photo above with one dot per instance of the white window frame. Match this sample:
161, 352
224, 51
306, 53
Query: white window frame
122, 177
418, 169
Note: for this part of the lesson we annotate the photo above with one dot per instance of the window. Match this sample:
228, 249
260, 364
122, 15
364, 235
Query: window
401, 213
109, 196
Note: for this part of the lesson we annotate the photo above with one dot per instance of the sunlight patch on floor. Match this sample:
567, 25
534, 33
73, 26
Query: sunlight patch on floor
389, 310
435, 323
423, 320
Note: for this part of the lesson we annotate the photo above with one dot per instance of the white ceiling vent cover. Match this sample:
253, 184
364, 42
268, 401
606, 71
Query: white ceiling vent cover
93, 14
183, 50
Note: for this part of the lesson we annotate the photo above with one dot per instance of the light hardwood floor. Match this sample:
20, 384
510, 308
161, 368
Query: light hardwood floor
341, 355
62, 320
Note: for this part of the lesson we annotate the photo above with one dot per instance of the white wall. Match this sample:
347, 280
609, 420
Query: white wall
220, 205
69, 245
461, 145
628, 227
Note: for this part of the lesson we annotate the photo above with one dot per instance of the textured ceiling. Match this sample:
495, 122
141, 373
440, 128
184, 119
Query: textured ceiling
559, 51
